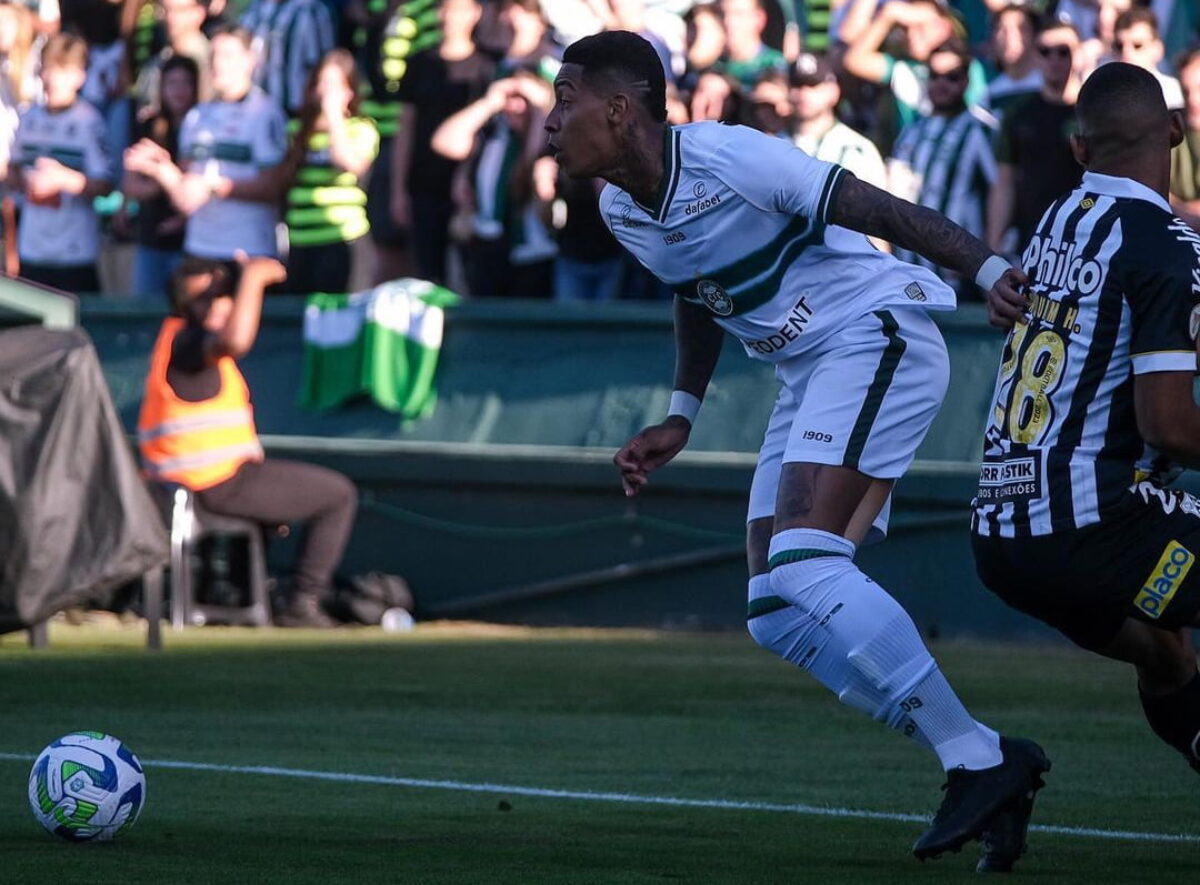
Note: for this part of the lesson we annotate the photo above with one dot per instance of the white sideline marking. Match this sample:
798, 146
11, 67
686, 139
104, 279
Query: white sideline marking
630, 798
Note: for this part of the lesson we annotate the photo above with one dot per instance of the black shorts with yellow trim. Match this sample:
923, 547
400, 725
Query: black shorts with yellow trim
1139, 561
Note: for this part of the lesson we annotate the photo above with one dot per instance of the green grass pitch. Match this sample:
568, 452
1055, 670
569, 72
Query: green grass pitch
693, 716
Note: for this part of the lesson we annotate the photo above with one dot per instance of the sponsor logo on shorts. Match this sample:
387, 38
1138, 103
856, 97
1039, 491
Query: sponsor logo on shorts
1017, 479
714, 297
1159, 589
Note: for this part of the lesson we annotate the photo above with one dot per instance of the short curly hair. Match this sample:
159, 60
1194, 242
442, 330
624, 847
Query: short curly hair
616, 60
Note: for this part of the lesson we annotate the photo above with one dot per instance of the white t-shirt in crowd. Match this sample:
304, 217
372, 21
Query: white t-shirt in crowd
66, 234
235, 140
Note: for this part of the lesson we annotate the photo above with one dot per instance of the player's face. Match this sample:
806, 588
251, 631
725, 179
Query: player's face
947, 81
581, 136
1137, 45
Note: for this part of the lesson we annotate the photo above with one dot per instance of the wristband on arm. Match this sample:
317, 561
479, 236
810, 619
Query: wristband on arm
685, 405
990, 271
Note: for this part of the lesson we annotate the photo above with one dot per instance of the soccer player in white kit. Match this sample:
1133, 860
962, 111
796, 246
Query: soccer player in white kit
761, 240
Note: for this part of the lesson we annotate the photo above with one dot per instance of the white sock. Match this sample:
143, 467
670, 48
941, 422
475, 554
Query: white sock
827, 617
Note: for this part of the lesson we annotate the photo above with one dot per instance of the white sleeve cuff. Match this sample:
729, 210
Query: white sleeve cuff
990, 271
685, 405
1164, 361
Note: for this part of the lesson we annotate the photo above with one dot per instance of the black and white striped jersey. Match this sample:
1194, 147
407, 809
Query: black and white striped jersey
1115, 286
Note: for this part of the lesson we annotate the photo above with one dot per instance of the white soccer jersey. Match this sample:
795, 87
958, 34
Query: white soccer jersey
68, 234
235, 140
741, 226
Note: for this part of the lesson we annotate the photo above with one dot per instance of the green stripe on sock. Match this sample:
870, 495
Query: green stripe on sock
784, 557
884, 374
764, 605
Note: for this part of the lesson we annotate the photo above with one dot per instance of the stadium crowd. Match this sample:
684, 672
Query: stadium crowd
363, 140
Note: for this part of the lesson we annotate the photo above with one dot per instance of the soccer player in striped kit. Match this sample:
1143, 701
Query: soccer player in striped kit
1094, 412
761, 240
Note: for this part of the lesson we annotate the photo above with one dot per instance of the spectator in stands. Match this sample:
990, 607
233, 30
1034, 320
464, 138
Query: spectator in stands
716, 96
196, 426
630, 15
511, 252
439, 83
944, 161
62, 165
927, 24
769, 107
183, 25
158, 226
815, 96
290, 38
17, 75
1185, 159
705, 41
1136, 42
532, 48
588, 266
1095, 22
332, 149
746, 55
389, 47
571, 20
99, 23
1035, 165
1014, 52
231, 147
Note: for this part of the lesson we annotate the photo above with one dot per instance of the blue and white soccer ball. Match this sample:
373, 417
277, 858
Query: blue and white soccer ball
87, 786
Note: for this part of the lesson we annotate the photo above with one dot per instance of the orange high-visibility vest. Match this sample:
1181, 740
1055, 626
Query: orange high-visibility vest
201, 444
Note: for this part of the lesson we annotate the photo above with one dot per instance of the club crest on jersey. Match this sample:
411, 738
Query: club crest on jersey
714, 297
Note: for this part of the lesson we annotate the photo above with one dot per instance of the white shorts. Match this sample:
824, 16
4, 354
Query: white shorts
863, 398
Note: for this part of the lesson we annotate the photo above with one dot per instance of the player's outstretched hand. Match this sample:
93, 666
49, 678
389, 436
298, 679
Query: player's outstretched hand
1007, 301
650, 450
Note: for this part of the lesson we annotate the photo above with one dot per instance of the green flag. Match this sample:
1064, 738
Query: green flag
383, 343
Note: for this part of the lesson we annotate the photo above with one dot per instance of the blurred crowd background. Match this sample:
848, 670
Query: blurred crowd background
365, 140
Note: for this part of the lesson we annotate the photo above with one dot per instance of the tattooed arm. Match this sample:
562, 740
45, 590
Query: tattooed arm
861, 207
874, 212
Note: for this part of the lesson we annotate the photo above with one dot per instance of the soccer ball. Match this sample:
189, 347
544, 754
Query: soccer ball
87, 786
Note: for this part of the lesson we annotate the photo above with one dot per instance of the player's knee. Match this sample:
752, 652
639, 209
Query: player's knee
803, 561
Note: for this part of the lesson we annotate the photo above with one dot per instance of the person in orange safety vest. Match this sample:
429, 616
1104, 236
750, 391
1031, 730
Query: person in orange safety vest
196, 426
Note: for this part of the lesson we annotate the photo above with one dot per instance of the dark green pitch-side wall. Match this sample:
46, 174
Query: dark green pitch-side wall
507, 490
